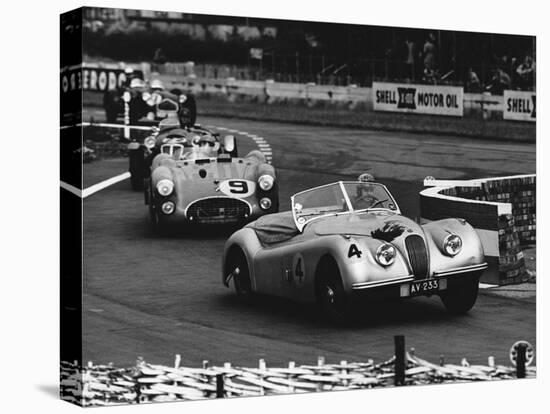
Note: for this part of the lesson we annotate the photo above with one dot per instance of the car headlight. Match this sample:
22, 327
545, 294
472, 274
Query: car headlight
266, 182
452, 244
265, 203
182, 98
165, 187
168, 207
149, 142
385, 254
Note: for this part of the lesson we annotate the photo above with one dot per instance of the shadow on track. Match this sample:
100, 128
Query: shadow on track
417, 312
218, 232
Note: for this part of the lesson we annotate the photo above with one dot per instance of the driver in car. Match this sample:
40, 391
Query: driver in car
205, 146
364, 196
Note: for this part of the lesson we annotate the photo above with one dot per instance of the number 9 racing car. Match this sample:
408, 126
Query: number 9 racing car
345, 244
196, 179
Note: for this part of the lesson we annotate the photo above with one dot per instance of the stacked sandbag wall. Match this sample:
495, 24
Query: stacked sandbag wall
503, 212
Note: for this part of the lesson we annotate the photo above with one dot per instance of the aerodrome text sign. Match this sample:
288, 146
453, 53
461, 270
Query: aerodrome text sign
98, 77
421, 99
91, 79
520, 106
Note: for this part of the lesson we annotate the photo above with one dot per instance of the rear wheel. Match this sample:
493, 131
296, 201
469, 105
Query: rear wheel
137, 169
111, 114
332, 300
462, 297
111, 106
188, 112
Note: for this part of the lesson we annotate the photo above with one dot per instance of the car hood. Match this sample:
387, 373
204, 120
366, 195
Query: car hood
379, 224
209, 178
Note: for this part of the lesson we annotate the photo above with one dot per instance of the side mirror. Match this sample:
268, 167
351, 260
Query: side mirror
229, 143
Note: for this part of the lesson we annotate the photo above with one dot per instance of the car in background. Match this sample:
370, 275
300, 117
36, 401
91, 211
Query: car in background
198, 179
142, 151
346, 244
150, 102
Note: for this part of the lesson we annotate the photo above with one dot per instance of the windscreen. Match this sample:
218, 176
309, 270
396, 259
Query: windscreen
320, 201
369, 195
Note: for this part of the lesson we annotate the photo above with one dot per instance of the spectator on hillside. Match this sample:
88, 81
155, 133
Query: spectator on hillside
499, 82
472, 81
159, 56
526, 73
159, 59
431, 76
388, 63
429, 51
409, 60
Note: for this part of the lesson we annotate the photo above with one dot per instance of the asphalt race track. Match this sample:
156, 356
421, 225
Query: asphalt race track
156, 297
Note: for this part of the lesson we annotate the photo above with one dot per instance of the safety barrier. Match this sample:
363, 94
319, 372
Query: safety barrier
97, 75
97, 385
271, 91
501, 209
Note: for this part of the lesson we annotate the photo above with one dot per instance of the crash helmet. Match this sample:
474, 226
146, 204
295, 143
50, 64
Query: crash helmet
207, 140
157, 84
136, 83
366, 178
365, 187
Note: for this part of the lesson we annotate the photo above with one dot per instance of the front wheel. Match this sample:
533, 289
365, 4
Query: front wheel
461, 298
157, 225
238, 265
332, 300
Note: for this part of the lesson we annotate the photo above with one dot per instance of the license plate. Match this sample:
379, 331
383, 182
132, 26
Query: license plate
423, 287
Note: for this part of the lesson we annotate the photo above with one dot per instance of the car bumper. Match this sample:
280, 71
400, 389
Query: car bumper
401, 287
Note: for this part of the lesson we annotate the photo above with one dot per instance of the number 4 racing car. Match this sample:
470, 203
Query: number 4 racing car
345, 244
197, 179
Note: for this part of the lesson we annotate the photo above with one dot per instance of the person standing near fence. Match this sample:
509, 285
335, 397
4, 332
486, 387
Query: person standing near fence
526, 74
159, 59
429, 52
409, 61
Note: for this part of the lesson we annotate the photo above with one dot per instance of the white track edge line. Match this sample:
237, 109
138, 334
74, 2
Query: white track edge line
104, 184
71, 188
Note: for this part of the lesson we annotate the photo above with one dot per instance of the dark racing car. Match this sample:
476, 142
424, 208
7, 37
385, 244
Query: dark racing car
150, 102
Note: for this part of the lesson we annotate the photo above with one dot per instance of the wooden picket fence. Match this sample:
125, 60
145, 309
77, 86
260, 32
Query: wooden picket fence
98, 385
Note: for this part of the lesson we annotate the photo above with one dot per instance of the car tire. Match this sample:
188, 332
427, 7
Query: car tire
189, 107
333, 302
241, 281
461, 298
137, 166
111, 114
159, 228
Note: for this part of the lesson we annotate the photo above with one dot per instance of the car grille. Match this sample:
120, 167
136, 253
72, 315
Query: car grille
218, 209
168, 105
418, 256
